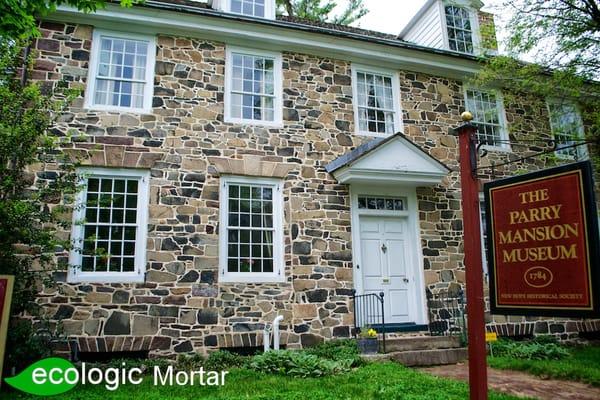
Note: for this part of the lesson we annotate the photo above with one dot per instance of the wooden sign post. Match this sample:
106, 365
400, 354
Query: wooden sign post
543, 243
6, 288
469, 185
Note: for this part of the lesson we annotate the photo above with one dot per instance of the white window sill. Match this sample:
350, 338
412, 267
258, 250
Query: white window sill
254, 122
373, 134
106, 278
499, 149
251, 278
120, 110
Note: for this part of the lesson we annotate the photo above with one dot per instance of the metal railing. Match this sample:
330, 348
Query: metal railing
369, 312
446, 313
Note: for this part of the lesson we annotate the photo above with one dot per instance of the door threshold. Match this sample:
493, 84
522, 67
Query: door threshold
401, 327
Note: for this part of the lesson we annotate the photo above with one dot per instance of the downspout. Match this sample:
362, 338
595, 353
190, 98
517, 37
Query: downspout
276, 321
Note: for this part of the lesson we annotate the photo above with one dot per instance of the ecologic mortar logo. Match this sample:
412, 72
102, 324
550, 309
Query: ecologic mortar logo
55, 375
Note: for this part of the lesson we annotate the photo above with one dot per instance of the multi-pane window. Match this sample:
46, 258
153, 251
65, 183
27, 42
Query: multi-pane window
110, 223
567, 129
460, 32
380, 203
121, 72
376, 106
254, 87
255, 8
251, 219
485, 108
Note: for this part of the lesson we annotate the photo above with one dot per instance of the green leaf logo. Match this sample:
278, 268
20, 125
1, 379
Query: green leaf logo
46, 377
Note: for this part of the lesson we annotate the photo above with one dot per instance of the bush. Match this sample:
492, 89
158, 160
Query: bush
298, 363
336, 350
223, 360
536, 349
189, 362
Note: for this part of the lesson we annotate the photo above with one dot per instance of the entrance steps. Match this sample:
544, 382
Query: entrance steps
422, 350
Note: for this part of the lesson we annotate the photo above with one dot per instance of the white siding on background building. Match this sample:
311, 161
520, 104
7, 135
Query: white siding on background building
427, 31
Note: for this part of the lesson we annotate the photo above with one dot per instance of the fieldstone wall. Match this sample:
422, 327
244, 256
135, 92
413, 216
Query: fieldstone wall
182, 306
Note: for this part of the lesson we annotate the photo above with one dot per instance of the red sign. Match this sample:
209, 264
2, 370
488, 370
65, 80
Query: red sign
543, 243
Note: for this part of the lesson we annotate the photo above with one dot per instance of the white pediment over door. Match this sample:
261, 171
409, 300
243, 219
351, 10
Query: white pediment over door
395, 160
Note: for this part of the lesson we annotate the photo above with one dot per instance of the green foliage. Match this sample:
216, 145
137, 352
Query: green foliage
27, 344
146, 365
190, 362
19, 17
298, 363
319, 10
222, 360
337, 350
31, 204
557, 33
536, 349
582, 365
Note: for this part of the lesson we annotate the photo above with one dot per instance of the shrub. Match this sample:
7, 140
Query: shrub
336, 350
298, 363
189, 362
537, 349
222, 360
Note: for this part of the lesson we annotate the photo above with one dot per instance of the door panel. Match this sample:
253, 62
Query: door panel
385, 265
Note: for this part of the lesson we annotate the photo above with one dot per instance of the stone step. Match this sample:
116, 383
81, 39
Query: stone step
423, 358
414, 343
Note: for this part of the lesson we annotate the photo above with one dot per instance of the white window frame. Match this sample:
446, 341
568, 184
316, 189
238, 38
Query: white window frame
277, 86
74, 274
582, 151
475, 29
225, 5
504, 146
278, 274
395, 77
93, 72
482, 226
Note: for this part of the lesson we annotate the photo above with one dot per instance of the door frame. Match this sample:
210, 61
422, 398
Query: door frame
415, 256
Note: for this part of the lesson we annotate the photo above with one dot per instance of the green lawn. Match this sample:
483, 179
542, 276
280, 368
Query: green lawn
582, 365
373, 381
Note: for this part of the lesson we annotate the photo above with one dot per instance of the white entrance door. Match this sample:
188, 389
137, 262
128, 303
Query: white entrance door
386, 266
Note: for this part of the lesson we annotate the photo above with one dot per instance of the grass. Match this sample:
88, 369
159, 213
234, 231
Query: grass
373, 381
582, 365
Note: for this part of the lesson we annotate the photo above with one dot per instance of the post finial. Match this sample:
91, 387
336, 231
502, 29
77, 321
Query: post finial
466, 116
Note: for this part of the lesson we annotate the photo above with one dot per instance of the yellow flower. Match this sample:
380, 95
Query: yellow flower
372, 333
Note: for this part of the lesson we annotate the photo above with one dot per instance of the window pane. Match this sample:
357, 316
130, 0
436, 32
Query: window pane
460, 36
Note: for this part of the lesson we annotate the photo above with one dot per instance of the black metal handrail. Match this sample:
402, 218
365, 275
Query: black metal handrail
369, 311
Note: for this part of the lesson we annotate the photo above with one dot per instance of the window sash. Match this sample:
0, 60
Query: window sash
121, 72
460, 31
567, 128
486, 115
254, 8
118, 227
375, 92
251, 251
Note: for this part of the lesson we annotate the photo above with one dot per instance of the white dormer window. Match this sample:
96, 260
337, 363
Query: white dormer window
459, 28
250, 8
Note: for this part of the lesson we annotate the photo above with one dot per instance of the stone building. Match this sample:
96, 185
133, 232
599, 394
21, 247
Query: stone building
241, 166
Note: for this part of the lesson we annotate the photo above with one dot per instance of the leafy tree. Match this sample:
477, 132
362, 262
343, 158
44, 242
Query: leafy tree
35, 179
563, 37
318, 10
19, 16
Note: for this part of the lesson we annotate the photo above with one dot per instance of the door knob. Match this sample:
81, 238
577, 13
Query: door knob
383, 248
405, 280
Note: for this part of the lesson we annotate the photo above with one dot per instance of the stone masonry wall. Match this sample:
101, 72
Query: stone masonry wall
184, 142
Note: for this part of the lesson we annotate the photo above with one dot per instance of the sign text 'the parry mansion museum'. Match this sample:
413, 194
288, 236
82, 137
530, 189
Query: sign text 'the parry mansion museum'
241, 166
